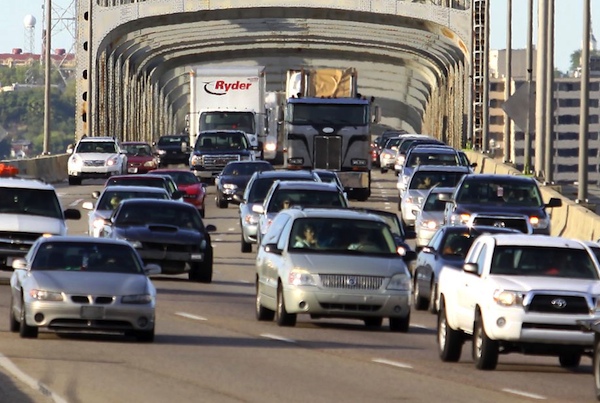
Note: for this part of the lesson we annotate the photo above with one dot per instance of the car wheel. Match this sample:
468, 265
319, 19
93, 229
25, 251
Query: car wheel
14, 323
26, 331
145, 336
74, 181
400, 324
373, 322
420, 302
450, 341
569, 360
262, 313
202, 272
596, 365
432, 308
283, 317
485, 350
221, 202
246, 246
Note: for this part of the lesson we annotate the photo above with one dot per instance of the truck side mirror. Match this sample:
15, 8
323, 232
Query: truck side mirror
376, 114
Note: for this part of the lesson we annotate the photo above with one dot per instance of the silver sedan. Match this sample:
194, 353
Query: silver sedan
76, 283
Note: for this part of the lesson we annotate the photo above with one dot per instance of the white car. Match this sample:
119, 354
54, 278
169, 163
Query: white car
96, 157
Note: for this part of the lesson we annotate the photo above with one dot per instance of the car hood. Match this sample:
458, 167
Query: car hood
158, 234
528, 283
42, 225
497, 208
81, 282
349, 264
136, 159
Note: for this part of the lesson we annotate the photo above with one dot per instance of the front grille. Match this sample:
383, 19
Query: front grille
351, 307
88, 299
93, 163
563, 304
97, 324
328, 152
212, 162
518, 223
545, 326
165, 247
347, 282
17, 241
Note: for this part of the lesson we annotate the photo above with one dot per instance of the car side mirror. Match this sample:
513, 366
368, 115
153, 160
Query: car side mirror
409, 256
554, 202
152, 268
272, 248
470, 268
178, 194
238, 198
95, 194
19, 264
72, 214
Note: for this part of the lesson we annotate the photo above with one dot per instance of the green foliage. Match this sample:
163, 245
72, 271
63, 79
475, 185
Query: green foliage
575, 59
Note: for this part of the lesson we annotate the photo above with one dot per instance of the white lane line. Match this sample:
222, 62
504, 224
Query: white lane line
190, 316
420, 326
525, 394
231, 229
29, 381
278, 338
75, 203
392, 363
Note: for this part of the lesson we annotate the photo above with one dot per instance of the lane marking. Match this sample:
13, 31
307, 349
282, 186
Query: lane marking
392, 363
278, 338
75, 203
28, 380
525, 394
190, 316
231, 229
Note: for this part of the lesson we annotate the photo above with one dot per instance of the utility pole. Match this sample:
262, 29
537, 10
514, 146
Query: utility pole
507, 83
582, 189
540, 83
549, 116
529, 67
47, 69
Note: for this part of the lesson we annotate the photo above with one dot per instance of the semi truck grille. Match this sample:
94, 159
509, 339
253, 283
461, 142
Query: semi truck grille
558, 304
328, 152
214, 162
344, 281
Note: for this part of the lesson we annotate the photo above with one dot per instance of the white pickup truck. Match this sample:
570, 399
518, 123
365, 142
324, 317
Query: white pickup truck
520, 294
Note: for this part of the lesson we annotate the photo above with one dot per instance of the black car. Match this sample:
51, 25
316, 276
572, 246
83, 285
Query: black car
448, 248
234, 177
173, 149
500, 200
166, 232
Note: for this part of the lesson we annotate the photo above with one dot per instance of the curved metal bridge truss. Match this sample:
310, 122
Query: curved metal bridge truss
423, 60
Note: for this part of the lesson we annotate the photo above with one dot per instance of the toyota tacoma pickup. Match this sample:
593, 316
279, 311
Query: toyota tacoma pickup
520, 294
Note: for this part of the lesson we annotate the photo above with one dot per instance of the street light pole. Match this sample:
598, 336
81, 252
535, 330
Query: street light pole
549, 116
582, 191
529, 67
507, 83
47, 69
540, 90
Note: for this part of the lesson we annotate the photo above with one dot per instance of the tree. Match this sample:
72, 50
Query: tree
575, 60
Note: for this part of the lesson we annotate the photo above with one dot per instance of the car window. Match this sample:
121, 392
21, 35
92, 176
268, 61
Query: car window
500, 191
96, 147
171, 140
89, 257
433, 203
305, 198
142, 181
183, 177
428, 179
109, 199
168, 215
139, 150
38, 202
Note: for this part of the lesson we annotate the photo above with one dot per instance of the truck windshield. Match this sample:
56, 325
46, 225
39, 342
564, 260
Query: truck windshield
39, 202
222, 141
323, 114
243, 121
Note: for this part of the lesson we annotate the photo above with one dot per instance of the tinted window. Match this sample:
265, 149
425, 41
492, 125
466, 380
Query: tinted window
500, 191
162, 214
428, 179
38, 202
96, 147
110, 199
172, 140
305, 198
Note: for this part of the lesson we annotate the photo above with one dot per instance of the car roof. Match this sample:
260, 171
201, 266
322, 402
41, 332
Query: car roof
435, 148
333, 212
281, 174
480, 228
535, 240
441, 189
159, 203
164, 171
217, 131
308, 185
133, 189
441, 168
83, 239
23, 183
492, 177
136, 177
98, 138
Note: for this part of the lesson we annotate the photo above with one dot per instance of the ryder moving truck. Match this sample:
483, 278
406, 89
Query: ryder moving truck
228, 98
327, 125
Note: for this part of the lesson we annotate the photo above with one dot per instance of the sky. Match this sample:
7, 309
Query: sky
568, 31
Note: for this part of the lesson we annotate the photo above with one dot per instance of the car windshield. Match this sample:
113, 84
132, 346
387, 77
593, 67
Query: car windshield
433, 202
86, 256
428, 179
305, 198
183, 177
261, 186
96, 147
543, 261
245, 169
139, 150
343, 236
432, 158
111, 199
516, 193
150, 214
38, 202
172, 140
138, 181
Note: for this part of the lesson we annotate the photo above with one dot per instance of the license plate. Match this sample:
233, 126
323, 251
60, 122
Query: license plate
92, 312
197, 256
132, 170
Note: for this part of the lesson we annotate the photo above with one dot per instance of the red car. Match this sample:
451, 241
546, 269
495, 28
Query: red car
194, 191
140, 159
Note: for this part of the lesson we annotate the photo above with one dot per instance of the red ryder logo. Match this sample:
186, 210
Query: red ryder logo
222, 87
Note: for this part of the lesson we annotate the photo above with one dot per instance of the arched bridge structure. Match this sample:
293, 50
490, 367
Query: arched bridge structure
420, 59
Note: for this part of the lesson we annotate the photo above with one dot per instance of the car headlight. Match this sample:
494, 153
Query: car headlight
301, 277
245, 158
44, 295
196, 160
538, 222
399, 282
508, 298
162, 152
271, 147
150, 164
203, 244
137, 299
457, 219
112, 161
230, 186
429, 224
251, 219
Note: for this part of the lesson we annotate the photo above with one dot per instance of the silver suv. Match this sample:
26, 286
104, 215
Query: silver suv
96, 157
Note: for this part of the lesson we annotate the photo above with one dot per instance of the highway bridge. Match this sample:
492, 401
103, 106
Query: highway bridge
422, 60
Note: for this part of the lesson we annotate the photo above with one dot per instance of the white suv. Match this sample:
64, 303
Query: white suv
96, 157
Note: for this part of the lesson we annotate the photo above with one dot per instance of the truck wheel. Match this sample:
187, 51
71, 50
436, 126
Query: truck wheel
420, 301
283, 317
202, 272
596, 365
450, 341
400, 324
221, 202
262, 313
485, 350
569, 360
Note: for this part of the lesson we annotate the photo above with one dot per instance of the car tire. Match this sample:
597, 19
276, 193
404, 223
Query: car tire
400, 324
26, 331
221, 202
596, 365
15, 325
420, 302
569, 359
246, 246
450, 341
74, 181
202, 213
485, 350
262, 313
432, 308
202, 272
282, 316
373, 322
144, 336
